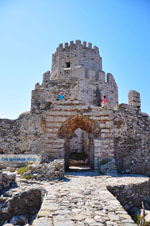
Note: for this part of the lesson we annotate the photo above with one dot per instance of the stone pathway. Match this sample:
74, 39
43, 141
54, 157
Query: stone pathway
83, 201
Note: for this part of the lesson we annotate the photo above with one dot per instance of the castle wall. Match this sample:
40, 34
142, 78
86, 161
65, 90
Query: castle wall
125, 134
132, 140
109, 89
23, 135
77, 88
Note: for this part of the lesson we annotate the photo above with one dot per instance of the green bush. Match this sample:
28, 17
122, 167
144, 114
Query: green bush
27, 176
138, 220
101, 172
77, 156
22, 170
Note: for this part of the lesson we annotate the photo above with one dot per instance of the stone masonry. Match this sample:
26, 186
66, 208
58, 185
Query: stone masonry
119, 133
86, 201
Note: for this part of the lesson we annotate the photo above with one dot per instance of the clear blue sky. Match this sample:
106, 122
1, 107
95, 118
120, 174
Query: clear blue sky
30, 31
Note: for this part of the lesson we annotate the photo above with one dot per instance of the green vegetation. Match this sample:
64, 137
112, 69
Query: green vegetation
22, 170
28, 176
138, 220
77, 156
101, 172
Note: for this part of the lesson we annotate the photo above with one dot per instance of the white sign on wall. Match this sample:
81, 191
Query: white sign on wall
19, 158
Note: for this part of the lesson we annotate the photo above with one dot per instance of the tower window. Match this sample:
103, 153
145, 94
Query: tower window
67, 64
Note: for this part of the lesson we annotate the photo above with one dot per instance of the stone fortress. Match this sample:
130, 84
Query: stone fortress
118, 133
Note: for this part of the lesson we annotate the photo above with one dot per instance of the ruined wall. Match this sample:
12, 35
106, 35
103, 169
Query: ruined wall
132, 195
132, 140
7, 179
89, 92
23, 135
106, 86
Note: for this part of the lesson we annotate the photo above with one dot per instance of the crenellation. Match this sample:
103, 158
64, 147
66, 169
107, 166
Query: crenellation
53, 56
84, 44
37, 86
46, 78
101, 76
71, 43
57, 51
78, 43
90, 45
96, 48
66, 45
61, 46
134, 98
110, 78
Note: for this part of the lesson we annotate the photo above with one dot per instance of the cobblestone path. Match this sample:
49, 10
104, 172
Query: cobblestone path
83, 201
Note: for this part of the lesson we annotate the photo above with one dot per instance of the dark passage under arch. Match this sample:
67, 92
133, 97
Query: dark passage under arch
85, 124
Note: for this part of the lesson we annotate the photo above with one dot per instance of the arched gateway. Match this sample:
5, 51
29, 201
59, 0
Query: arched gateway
91, 128
87, 125
70, 125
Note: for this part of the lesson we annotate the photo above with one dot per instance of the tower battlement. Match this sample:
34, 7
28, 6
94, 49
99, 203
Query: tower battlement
75, 45
70, 55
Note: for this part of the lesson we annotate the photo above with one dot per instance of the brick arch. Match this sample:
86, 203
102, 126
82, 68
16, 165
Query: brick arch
70, 125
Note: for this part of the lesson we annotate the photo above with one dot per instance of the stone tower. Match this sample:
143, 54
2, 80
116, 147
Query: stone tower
76, 71
66, 60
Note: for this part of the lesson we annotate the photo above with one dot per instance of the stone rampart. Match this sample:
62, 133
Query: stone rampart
86, 91
132, 195
134, 98
21, 136
132, 140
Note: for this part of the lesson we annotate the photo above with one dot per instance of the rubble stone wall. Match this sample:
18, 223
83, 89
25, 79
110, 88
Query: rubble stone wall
21, 136
131, 195
132, 140
87, 91
125, 134
47, 171
7, 179
20, 205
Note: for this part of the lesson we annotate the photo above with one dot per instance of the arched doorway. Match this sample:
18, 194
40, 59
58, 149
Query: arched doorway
87, 127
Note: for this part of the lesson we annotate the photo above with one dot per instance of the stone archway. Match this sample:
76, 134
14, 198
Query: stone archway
84, 123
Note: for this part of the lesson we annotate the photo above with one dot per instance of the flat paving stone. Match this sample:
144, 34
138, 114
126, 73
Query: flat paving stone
84, 200
43, 221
